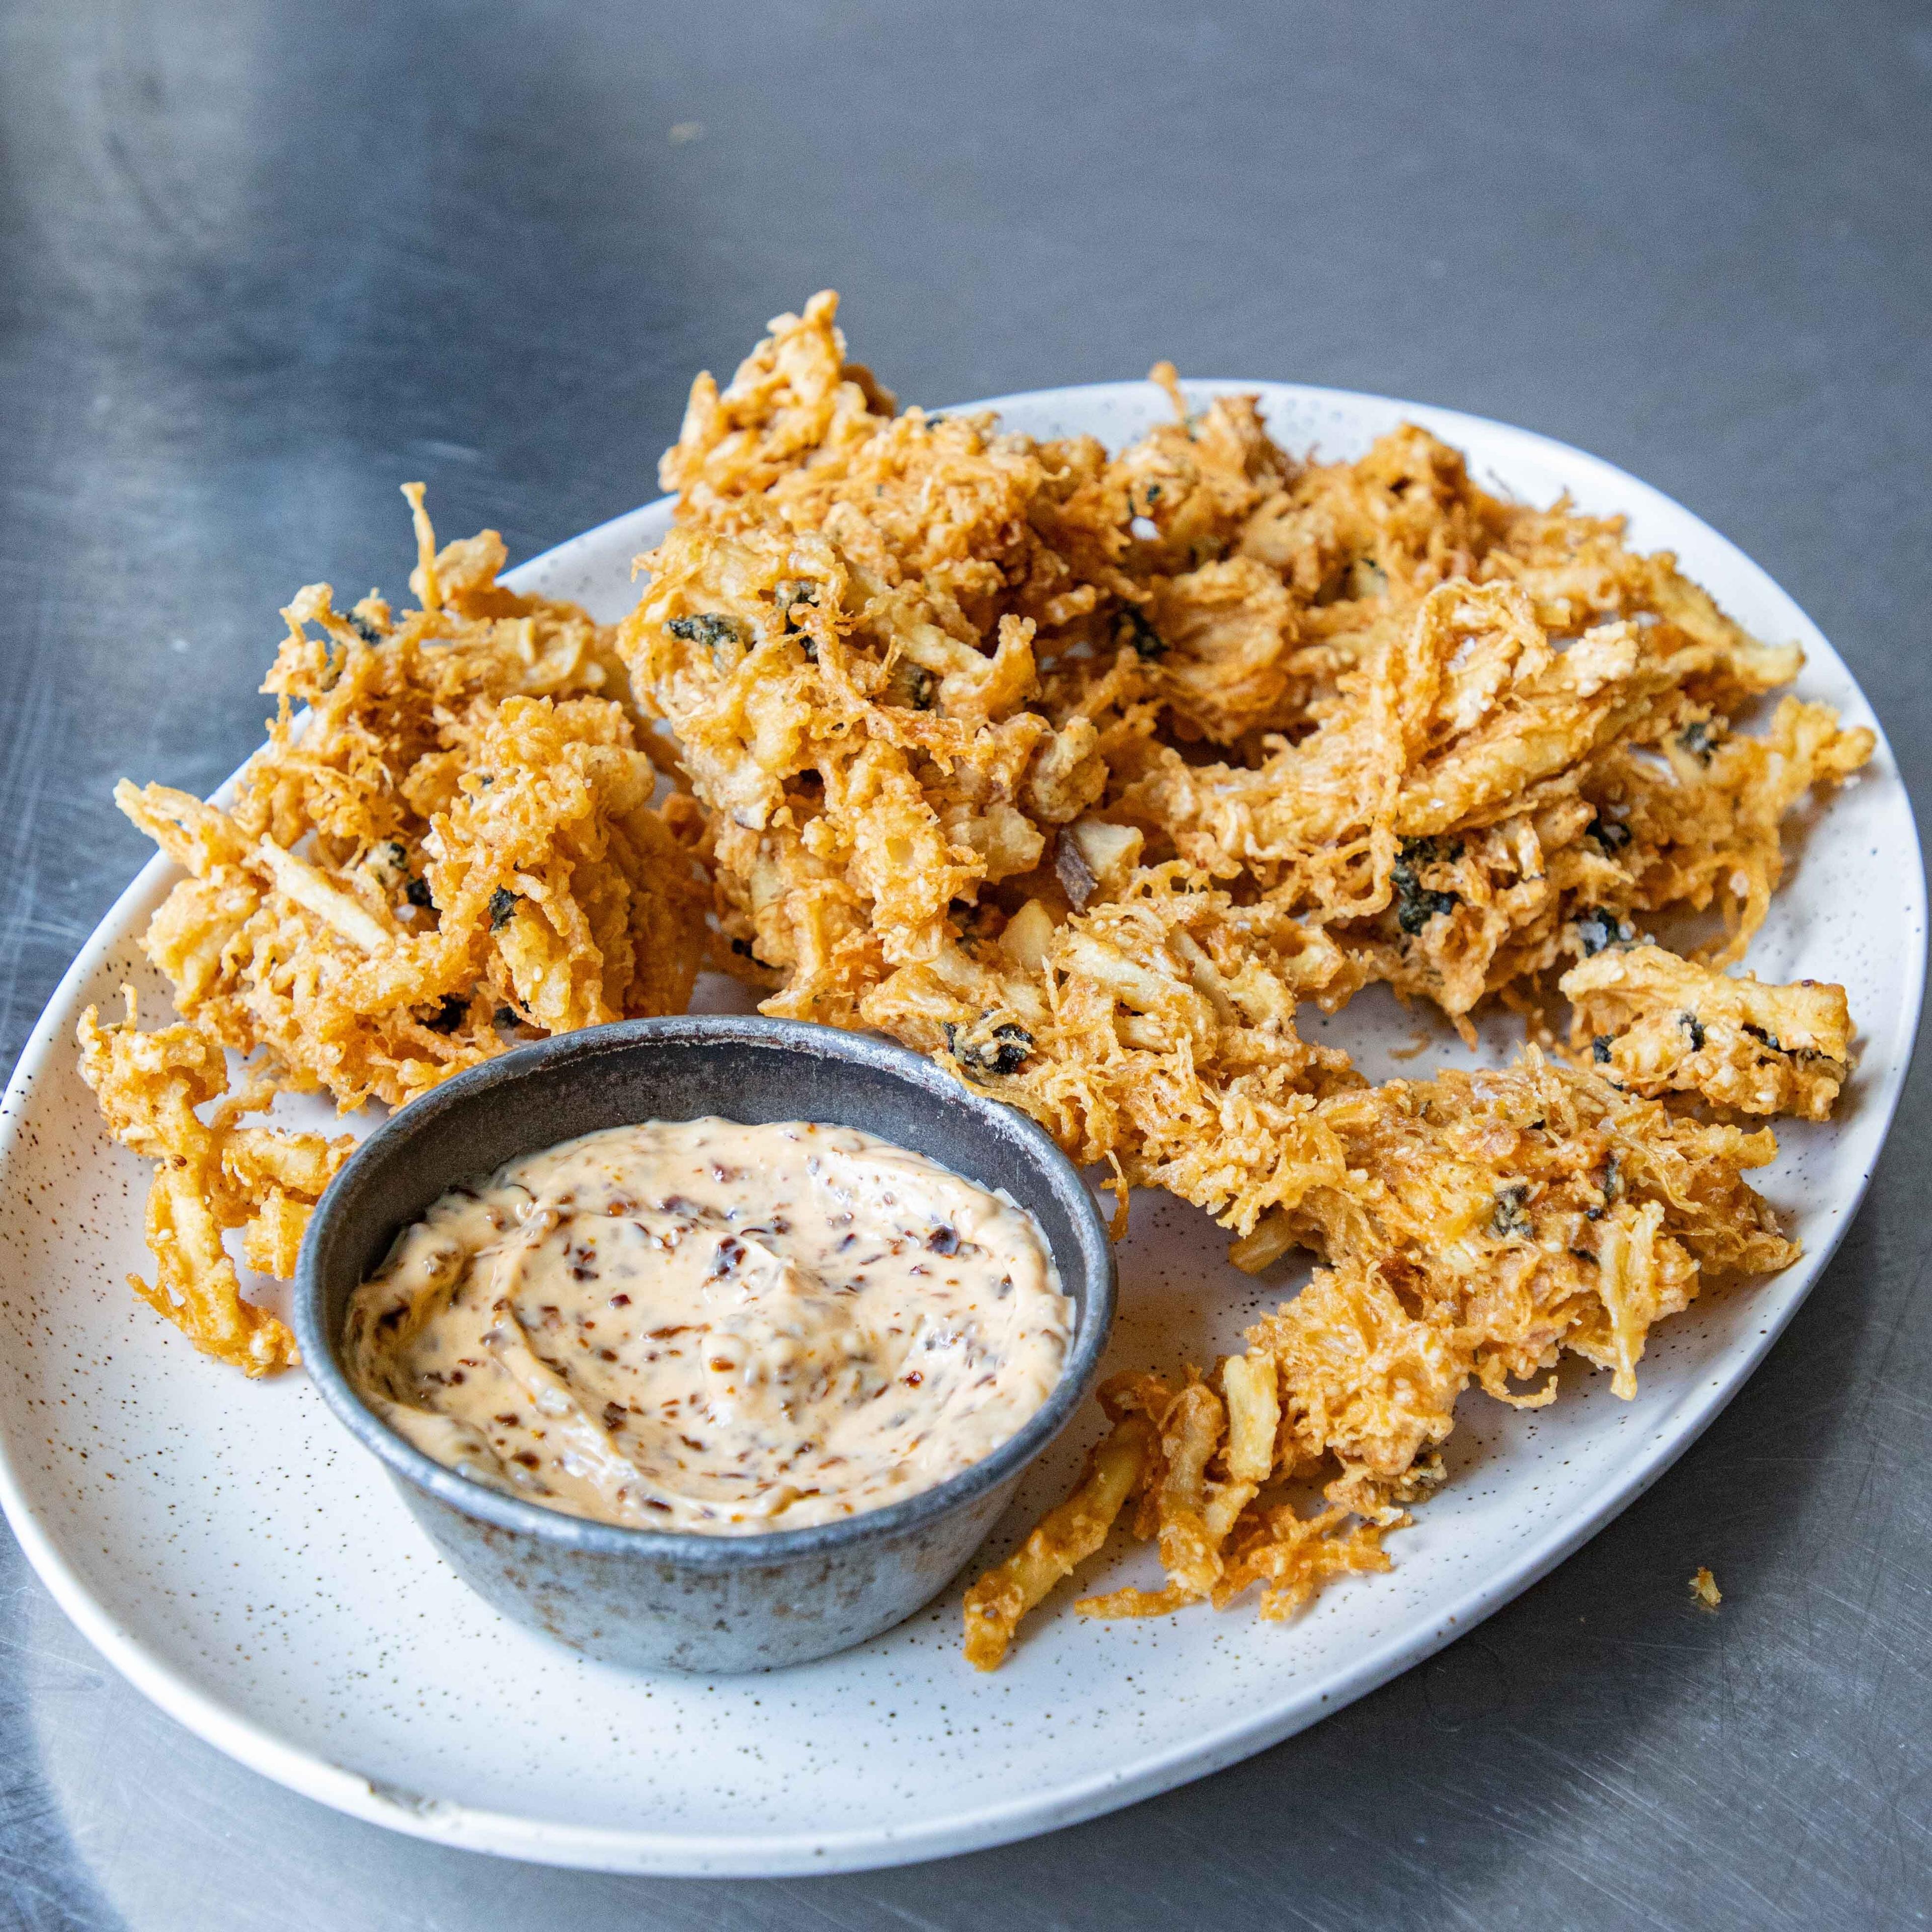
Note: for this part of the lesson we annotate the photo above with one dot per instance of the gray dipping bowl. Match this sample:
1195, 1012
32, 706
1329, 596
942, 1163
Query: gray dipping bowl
652, 1598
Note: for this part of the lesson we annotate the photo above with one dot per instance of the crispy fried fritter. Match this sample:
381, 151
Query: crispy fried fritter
1476, 1226
1475, 803
1476, 740
1697, 824
867, 767
1182, 1452
1059, 1543
452, 848
456, 842
1155, 1030
1521, 1212
949, 695
1656, 1024
1362, 544
208, 1176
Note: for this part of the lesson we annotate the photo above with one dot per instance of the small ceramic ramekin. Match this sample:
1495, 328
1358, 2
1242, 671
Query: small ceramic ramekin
652, 1598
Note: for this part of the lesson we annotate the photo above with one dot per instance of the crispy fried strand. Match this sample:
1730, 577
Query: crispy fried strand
209, 1177
1481, 1224
1063, 1539
1475, 805
1490, 1221
1294, 1555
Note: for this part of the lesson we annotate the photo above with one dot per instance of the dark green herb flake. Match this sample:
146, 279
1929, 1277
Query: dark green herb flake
707, 628
1598, 928
1416, 903
1004, 1050
1700, 739
1148, 643
791, 595
1508, 1216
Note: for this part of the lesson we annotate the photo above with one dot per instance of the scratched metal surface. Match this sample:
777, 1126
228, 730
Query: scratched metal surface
261, 261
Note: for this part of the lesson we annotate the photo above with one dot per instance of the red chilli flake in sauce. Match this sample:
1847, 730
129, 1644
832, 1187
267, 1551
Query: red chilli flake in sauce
701, 1326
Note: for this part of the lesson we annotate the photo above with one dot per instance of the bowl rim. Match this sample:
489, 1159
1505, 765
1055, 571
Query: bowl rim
1093, 1263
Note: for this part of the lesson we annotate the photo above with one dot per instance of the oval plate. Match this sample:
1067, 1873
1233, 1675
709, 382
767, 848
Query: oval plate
246, 1565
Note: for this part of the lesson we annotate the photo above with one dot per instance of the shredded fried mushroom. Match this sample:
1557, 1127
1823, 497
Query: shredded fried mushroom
1079, 772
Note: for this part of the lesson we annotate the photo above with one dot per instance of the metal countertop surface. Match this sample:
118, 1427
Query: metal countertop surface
264, 261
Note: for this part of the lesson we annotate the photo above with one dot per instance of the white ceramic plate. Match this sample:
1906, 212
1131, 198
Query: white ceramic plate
248, 1567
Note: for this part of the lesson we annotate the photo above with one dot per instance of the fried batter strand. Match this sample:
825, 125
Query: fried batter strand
452, 848
1477, 805
919, 667
1514, 1214
209, 1176
1155, 1030
1060, 1543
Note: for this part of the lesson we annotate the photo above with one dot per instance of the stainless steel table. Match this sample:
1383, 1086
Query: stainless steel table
264, 260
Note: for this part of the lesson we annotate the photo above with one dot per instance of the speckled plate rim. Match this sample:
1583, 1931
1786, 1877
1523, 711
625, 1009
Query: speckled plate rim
509, 1834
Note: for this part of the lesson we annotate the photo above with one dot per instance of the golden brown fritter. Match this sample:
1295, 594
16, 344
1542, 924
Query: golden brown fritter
1155, 1030
865, 766
1533, 1209
455, 842
1475, 1226
1473, 739
1473, 796
1656, 1024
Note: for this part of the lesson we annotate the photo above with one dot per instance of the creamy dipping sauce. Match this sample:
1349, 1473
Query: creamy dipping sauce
696, 1325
